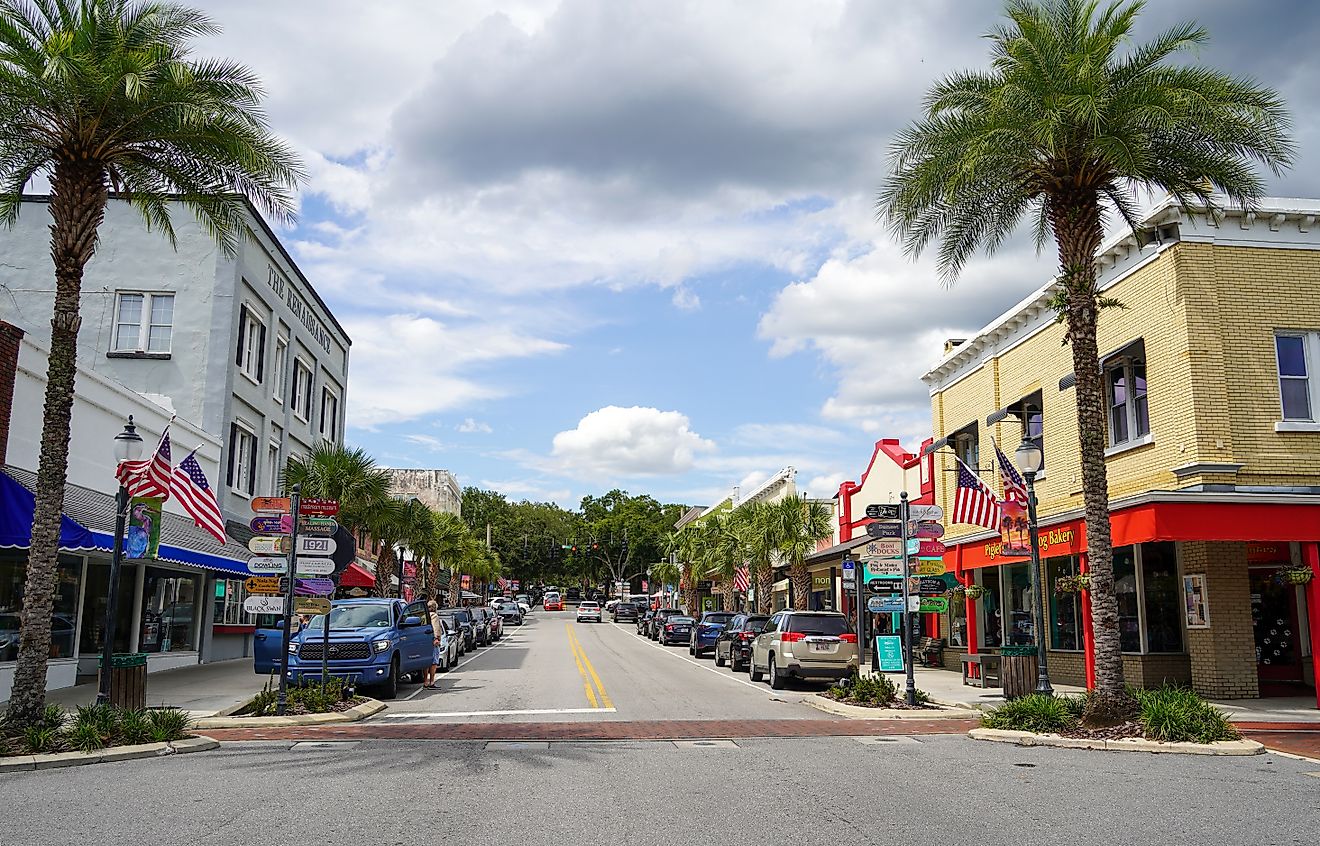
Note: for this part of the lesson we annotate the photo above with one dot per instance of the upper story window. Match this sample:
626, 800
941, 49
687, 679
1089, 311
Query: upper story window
329, 414
242, 474
251, 354
144, 322
302, 390
1029, 413
280, 367
1125, 395
967, 446
1296, 353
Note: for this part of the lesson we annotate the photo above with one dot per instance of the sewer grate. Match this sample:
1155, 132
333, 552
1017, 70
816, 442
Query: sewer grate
705, 744
516, 745
875, 741
308, 745
1024, 765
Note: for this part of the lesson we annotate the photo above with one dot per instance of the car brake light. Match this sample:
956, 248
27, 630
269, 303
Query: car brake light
792, 637
848, 638
669, 628
745, 635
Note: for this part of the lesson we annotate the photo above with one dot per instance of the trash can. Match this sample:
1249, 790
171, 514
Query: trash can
1017, 670
128, 680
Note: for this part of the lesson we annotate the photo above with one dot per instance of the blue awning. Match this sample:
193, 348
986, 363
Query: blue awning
17, 505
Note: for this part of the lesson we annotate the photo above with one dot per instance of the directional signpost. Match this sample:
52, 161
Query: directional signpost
926, 529
263, 584
263, 604
930, 586
312, 605
270, 545
268, 565
934, 604
929, 568
314, 546
271, 505
887, 511
884, 530
314, 566
932, 513
318, 526
319, 507
271, 524
314, 587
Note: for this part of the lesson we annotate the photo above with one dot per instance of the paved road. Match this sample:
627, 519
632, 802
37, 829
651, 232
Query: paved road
929, 790
554, 669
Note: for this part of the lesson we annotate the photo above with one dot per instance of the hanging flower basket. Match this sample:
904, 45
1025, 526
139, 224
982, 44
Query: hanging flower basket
1297, 575
1072, 584
957, 592
975, 591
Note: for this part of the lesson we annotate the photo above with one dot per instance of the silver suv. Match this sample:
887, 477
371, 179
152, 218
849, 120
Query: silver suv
804, 645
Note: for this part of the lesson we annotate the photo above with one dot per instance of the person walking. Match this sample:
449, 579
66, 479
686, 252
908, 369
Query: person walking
437, 629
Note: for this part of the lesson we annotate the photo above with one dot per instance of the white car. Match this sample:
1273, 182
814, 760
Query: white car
588, 611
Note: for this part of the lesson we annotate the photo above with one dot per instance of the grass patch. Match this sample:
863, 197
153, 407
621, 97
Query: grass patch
308, 697
1034, 712
1168, 714
94, 727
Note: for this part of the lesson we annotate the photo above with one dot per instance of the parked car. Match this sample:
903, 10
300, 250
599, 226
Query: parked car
553, 602
806, 645
373, 643
707, 631
480, 626
524, 602
644, 621
496, 623
675, 629
451, 640
462, 620
609, 606
573, 595
658, 620
624, 611
589, 611
510, 613
734, 644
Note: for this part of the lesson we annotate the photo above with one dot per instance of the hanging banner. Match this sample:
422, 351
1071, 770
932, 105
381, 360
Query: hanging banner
142, 537
1014, 530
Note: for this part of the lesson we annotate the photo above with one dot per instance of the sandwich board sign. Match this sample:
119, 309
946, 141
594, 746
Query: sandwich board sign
889, 651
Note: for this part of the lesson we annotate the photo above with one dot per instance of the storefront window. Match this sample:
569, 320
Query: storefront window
958, 622
228, 608
1017, 585
169, 607
992, 623
94, 602
64, 616
1125, 586
1159, 573
1065, 609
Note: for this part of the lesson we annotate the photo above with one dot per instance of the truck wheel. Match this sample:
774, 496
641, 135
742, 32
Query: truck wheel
390, 688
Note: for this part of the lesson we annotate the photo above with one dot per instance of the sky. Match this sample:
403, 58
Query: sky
590, 244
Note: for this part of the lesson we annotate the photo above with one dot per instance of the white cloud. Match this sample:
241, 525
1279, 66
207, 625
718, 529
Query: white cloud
686, 299
431, 443
629, 442
472, 426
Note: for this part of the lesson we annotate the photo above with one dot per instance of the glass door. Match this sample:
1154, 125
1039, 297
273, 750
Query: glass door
1274, 622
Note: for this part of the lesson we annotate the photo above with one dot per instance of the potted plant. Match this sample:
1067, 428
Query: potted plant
1297, 575
975, 591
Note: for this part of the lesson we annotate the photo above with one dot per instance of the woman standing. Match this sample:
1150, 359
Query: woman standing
428, 678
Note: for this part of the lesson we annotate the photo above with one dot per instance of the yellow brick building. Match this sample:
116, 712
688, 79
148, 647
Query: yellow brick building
1212, 375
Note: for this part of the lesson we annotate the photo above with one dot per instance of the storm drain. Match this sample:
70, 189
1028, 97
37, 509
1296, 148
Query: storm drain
888, 741
516, 745
705, 744
310, 745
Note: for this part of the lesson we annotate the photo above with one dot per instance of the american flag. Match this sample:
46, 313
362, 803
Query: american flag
742, 578
503, 583
1014, 488
197, 498
148, 476
975, 503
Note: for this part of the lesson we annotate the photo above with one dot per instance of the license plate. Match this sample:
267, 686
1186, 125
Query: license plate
822, 647
681, 631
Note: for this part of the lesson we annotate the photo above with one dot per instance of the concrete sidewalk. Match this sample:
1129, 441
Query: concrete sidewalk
202, 690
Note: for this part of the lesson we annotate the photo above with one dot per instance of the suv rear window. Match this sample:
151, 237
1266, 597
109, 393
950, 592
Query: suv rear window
818, 624
717, 617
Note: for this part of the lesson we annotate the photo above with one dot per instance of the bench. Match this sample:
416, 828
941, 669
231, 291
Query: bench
987, 669
931, 651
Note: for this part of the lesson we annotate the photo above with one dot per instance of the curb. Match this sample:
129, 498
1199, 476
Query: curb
858, 712
115, 753
1128, 744
355, 714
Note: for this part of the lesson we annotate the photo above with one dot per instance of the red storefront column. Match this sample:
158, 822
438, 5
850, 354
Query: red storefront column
1088, 636
1311, 557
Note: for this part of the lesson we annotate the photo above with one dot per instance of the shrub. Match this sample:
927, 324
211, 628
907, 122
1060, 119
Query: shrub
86, 737
870, 690
1034, 712
169, 724
53, 717
38, 740
1176, 715
134, 727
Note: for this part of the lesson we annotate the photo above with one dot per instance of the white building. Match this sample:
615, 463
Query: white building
438, 490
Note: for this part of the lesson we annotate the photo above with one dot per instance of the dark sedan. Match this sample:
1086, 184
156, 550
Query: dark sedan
675, 629
659, 618
707, 631
644, 622
734, 644
625, 611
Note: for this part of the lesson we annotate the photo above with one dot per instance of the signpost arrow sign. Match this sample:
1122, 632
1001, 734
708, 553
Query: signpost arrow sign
325, 507
884, 568
887, 548
270, 545
931, 513
884, 511
314, 566
933, 604
263, 584
315, 587
928, 568
884, 530
267, 564
926, 529
310, 605
322, 527
260, 604
271, 505
271, 524
930, 549
320, 547
931, 586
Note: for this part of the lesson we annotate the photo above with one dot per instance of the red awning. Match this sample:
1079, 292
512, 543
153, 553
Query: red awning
1160, 521
357, 576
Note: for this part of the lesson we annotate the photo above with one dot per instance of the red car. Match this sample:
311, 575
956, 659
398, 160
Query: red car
553, 602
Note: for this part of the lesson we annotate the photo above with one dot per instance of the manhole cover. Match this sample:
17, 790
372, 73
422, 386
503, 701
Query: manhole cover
876, 741
705, 744
516, 745
307, 745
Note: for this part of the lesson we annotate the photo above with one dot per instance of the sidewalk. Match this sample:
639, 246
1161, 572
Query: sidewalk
202, 690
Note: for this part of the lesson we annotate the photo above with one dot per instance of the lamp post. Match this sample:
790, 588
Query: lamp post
128, 447
1029, 460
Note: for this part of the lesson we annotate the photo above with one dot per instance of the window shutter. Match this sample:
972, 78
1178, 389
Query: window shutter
233, 448
261, 354
252, 468
242, 330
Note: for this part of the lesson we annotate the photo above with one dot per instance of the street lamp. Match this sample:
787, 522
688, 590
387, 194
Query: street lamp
127, 447
1029, 460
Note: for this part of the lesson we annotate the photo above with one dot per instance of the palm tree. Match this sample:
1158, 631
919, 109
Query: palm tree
1069, 123
345, 474
98, 95
799, 524
761, 540
721, 554
445, 548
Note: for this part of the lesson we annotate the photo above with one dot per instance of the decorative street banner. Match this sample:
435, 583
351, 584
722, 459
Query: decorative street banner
142, 538
1014, 530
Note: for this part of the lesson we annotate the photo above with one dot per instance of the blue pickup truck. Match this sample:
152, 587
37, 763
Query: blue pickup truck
373, 642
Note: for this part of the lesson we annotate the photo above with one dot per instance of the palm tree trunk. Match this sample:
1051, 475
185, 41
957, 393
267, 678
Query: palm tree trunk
77, 206
455, 587
727, 594
765, 589
433, 580
385, 570
801, 578
1077, 227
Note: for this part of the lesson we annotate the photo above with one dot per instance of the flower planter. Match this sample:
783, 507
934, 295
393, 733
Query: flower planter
1299, 576
975, 591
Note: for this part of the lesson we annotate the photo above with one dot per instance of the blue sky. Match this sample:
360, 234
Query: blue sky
596, 243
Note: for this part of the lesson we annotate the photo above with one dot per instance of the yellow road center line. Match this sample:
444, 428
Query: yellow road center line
604, 697
578, 657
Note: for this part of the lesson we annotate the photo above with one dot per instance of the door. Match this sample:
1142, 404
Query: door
266, 646
1274, 622
418, 640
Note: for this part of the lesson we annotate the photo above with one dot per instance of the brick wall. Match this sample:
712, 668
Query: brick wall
1223, 657
11, 337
